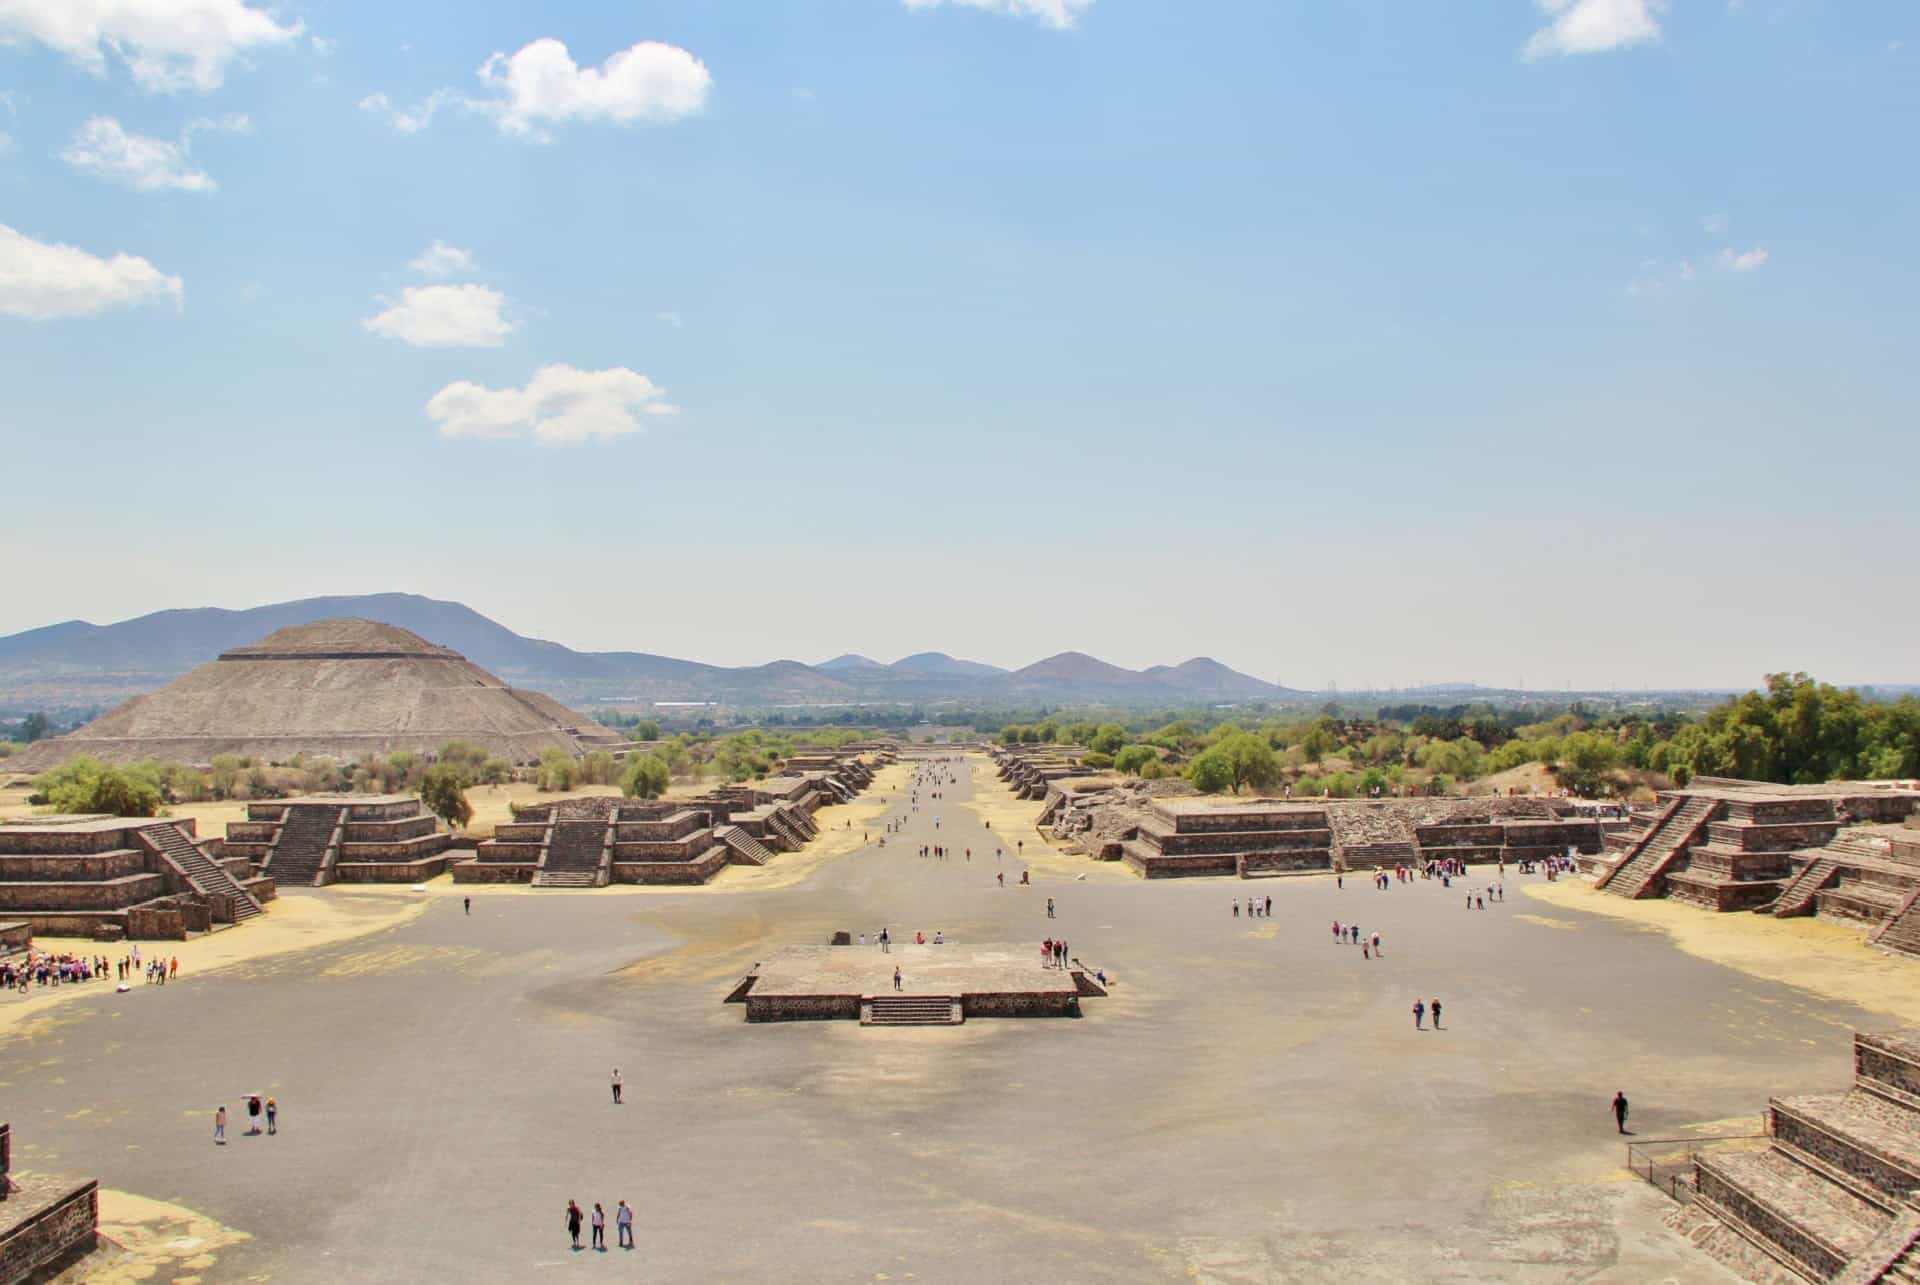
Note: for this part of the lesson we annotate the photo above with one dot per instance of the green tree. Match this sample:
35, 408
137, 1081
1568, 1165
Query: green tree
556, 770
1210, 771
646, 729
1108, 739
85, 784
443, 789
1132, 758
647, 777
1251, 761
34, 728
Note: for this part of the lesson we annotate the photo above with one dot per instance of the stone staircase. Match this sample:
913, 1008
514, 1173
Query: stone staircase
787, 831
743, 846
1638, 874
575, 855
910, 1010
1901, 929
1833, 1198
206, 875
301, 846
1803, 890
1368, 856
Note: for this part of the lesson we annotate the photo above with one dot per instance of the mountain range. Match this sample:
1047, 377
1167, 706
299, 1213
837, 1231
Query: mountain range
76, 666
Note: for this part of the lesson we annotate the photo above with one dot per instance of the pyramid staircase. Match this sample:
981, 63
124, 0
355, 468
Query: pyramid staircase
1802, 892
201, 872
744, 848
1901, 930
576, 856
911, 1010
308, 837
1638, 874
1370, 856
1833, 1198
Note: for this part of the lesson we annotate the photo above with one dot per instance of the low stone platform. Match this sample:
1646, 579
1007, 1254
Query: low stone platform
855, 983
46, 1221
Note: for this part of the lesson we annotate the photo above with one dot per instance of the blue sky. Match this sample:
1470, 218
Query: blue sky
1360, 342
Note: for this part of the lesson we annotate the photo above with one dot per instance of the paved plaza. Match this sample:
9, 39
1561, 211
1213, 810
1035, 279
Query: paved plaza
1251, 1103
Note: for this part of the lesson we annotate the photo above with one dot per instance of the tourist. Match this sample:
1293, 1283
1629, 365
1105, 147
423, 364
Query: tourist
1267, 913
173, 969
623, 1225
1049, 907
599, 1227
468, 903
1046, 953
573, 1223
273, 1117
253, 1116
1436, 1013
616, 1086
939, 937
220, 1127
1236, 907
1337, 938
886, 942
1620, 1110
896, 977
1419, 1015
1376, 944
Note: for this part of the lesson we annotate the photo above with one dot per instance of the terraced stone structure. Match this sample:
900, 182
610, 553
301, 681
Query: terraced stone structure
1847, 851
113, 878
1836, 1197
1032, 770
341, 689
1181, 837
594, 842
942, 985
320, 839
46, 1221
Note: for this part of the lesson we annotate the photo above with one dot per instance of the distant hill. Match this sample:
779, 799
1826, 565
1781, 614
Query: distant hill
76, 665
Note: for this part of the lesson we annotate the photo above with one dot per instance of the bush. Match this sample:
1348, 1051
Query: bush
444, 790
647, 777
556, 770
1098, 760
85, 784
1133, 758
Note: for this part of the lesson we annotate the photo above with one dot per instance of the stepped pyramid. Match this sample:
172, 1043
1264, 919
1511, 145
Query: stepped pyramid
345, 689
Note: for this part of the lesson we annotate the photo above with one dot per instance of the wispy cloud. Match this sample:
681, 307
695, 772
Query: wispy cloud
42, 280
441, 259
103, 148
464, 316
1742, 260
672, 319
166, 45
1059, 14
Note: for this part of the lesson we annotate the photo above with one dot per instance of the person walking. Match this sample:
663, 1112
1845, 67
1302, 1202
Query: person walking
896, 977
1376, 945
623, 1225
1620, 1110
573, 1222
253, 1116
1049, 907
599, 1227
1419, 1015
273, 1117
1436, 1012
220, 1127
468, 903
617, 1083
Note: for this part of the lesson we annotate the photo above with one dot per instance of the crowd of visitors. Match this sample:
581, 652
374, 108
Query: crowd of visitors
45, 968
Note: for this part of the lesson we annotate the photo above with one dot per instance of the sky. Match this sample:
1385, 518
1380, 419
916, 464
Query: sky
1370, 343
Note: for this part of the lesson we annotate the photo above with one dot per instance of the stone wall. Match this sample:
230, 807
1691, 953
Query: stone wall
390, 831
15, 936
56, 840
803, 1008
1020, 1004
88, 868
64, 1230
116, 894
478, 871
390, 871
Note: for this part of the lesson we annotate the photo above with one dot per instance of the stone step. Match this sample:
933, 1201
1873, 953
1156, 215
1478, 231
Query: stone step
1797, 1213
1866, 1141
911, 1010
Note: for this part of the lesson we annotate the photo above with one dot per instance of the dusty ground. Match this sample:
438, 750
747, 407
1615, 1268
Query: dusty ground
1251, 1104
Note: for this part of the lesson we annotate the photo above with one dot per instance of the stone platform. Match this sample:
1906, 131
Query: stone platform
855, 983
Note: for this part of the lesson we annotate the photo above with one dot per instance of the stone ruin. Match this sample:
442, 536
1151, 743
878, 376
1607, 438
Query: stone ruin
319, 839
1166, 829
115, 878
596, 841
1836, 1194
1031, 770
46, 1222
1848, 851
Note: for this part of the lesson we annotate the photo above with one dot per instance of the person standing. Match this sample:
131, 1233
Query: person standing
573, 1223
623, 1225
1436, 1012
896, 977
220, 1127
599, 1227
253, 1116
1049, 907
273, 1117
467, 902
1419, 1015
1620, 1110
616, 1086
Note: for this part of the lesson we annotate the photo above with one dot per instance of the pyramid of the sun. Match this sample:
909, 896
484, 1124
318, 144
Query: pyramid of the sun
346, 689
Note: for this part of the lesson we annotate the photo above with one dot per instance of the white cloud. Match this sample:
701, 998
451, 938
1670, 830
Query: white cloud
324, 46
102, 148
1059, 14
39, 280
441, 259
541, 84
165, 44
672, 319
408, 120
1742, 260
445, 317
560, 406
1594, 26
1714, 224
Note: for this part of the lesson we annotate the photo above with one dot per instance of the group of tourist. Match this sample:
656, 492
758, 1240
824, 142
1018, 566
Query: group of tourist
44, 968
257, 1110
597, 1222
1257, 908
1054, 953
1349, 935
